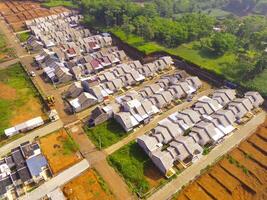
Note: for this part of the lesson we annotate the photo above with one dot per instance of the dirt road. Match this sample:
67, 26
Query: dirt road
194, 170
97, 160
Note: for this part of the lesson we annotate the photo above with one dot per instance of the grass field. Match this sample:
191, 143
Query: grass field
6, 53
23, 37
19, 100
107, 133
55, 3
60, 150
88, 186
137, 169
221, 65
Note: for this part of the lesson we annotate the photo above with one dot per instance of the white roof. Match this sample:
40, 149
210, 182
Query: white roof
34, 121
10, 131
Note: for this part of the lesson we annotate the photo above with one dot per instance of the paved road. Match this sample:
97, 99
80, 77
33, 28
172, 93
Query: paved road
194, 170
97, 160
57, 181
30, 136
154, 122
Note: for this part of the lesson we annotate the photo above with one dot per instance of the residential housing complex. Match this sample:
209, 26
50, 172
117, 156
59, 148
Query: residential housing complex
23, 169
183, 135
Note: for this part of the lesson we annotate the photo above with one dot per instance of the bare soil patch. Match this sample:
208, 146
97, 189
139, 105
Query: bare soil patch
53, 148
17, 12
7, 92
27, 111
88, 186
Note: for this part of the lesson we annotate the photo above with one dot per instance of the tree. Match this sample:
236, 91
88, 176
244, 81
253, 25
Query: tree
222, 42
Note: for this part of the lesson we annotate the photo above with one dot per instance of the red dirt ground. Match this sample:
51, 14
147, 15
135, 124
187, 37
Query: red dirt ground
17, 12
243, 177
86, 187
7, 92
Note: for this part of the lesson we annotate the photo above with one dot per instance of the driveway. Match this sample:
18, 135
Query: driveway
57, 181
194, 170
97, 160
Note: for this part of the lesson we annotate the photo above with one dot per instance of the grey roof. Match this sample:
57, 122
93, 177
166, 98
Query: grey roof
224, 96
255, 98
163, 160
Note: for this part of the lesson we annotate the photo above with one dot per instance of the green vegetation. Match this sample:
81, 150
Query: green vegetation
6, 53
24, 36
17, 80
130, 161
237, 164
102, 183
55, 3
70, 146
206, 151
105, 134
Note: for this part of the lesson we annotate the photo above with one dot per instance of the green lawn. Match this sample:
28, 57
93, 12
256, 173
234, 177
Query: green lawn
54, 3
107, 133
259, 83
130, 161
18, 97
23, 37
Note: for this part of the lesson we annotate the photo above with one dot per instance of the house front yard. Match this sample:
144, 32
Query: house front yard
105, 134
60, 150
19, 100
87, 186
136, 168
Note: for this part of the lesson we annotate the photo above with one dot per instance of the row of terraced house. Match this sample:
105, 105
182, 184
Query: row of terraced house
181, 137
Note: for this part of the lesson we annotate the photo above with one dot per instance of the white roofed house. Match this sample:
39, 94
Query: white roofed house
62, 75
148, 143
75, 90
177, 92
194, 81
223, 120
160, 65
148, 70
185, 149
255, 98
99, 92
205, 133
206, 106
224, 96
240, 107
158, 100
126, 120
77, 71
168, 60
85, 100
149, 90
163, 160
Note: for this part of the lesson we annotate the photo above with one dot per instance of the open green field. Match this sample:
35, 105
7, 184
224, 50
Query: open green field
105, 134
136, 168
6, 53
23, 37
19, 100
221, 65
55, 3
